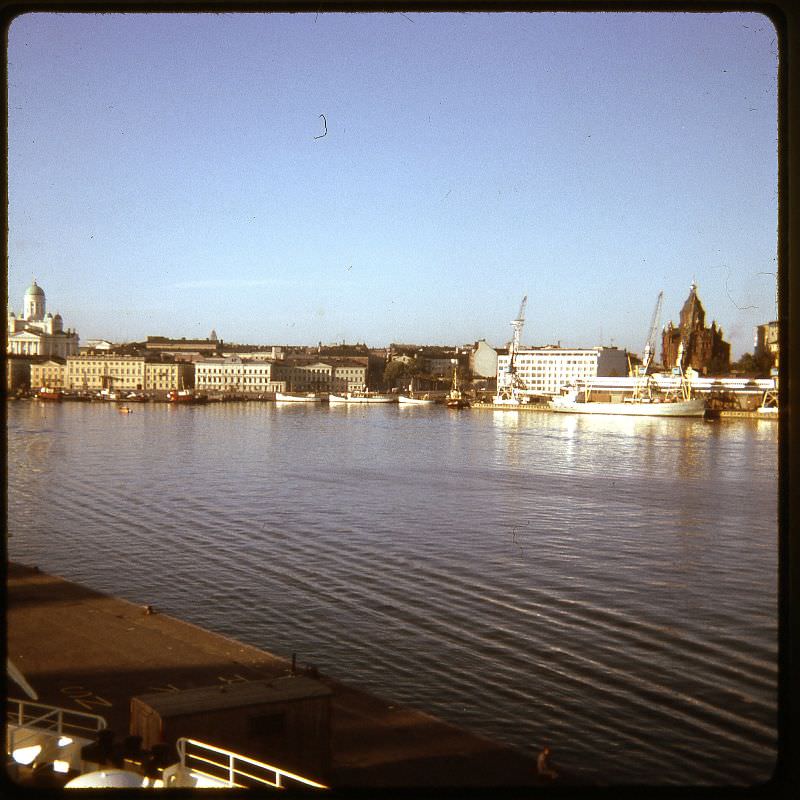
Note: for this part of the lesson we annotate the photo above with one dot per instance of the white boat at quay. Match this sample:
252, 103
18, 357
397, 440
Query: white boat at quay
310, 397
573, 403
646, 401
405, 400
362, 397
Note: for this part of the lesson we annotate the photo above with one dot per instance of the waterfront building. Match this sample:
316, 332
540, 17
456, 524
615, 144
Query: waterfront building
483, 360
113, 372
235, 374
164, 376
93, 372
704, 349
331, 375
349, 375
310, 376
50, 372
546, 370
37, 332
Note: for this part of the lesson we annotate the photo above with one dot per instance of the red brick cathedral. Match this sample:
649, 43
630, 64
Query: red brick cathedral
703, 348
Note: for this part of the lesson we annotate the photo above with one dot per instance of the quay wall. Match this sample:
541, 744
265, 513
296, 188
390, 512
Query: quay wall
92, 652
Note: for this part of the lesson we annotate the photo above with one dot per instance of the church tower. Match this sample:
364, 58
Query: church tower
704, 349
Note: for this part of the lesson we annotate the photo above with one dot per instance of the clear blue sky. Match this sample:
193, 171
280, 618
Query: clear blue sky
168, 174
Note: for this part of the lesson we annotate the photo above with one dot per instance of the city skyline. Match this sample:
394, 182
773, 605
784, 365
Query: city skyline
299, 178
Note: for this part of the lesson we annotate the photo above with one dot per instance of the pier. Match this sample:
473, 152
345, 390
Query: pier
92, 652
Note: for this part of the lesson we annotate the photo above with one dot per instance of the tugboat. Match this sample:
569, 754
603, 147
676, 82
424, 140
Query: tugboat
185, 397
52, 395
455, 397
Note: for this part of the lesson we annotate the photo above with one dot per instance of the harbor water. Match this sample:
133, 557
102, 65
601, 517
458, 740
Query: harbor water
603, 585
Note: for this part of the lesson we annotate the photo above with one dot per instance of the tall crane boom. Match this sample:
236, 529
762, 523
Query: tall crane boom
517, 326
650, 344
521, 315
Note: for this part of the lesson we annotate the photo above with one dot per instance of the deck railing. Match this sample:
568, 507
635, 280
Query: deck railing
236, 770
32, 719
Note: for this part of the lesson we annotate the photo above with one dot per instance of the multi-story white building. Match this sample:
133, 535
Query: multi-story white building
37, 332
238, 375
545, 370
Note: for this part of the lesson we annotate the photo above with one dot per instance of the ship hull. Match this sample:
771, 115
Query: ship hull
280, 397
680, 408
335, 398
414, 401
186, 397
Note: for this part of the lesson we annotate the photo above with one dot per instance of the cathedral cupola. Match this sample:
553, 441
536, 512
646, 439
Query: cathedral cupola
34, 303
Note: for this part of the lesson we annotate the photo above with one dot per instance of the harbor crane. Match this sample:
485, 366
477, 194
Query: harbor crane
514, 384
650, 344
642, 385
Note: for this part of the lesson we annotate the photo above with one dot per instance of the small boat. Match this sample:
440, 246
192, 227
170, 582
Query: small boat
509, 400
310, 397
185, 397
405, 400
52, 395
362, 397
125, 410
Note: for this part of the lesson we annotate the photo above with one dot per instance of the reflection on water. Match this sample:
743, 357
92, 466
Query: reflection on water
606, 585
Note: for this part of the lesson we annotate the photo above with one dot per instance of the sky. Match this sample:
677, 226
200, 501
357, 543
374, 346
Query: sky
378, 178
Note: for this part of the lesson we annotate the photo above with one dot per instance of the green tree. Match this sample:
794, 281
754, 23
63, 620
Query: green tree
754, 366
395, 372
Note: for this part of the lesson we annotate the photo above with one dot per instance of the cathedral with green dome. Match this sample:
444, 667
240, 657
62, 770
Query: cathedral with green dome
37, 332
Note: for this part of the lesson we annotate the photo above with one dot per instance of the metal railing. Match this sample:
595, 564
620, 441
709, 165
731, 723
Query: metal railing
32, 719
232, 768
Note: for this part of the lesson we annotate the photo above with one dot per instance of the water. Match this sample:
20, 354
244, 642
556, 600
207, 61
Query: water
603, 585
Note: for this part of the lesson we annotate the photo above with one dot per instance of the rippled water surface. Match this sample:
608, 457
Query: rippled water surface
604, 585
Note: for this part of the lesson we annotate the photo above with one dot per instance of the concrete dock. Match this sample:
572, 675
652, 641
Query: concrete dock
91, 652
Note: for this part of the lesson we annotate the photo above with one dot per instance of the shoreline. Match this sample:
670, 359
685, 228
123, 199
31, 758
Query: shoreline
481, 406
